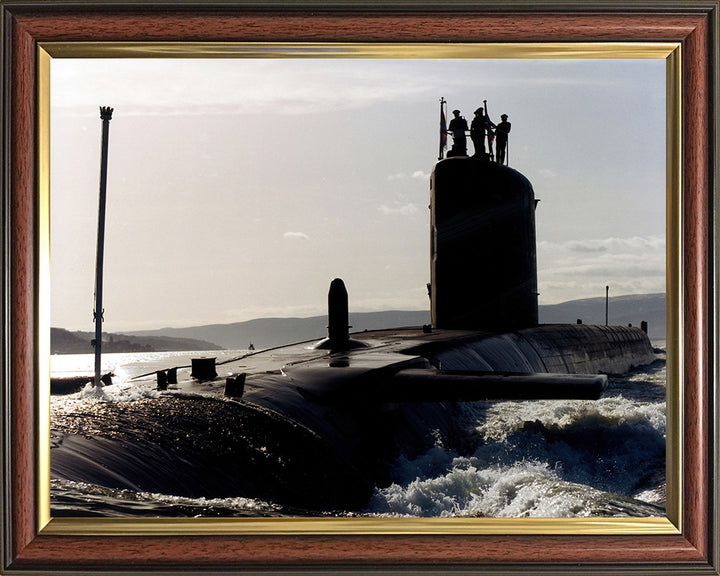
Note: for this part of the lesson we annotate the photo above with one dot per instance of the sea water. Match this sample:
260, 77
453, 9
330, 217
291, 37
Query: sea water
559, 458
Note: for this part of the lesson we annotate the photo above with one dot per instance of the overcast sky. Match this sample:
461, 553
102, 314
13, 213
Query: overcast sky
239, 188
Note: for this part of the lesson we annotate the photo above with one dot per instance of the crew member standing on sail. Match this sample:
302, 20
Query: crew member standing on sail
478, 128
501, 133
458, 126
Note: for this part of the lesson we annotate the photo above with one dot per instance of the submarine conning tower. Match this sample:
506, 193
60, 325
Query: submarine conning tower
483, 252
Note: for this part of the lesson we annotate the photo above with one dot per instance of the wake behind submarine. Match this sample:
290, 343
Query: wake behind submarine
317, 426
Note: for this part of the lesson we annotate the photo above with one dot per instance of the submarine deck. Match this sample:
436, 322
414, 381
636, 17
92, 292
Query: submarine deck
553, 349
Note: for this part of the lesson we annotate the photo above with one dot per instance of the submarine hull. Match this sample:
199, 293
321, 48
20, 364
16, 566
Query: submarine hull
319, 427
323, 431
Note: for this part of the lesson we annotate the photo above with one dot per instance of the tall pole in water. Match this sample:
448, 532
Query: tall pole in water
105, 115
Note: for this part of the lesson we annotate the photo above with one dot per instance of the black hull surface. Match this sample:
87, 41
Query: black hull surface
319, 430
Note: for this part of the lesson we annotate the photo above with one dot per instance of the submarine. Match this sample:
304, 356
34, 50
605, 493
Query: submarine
318, 425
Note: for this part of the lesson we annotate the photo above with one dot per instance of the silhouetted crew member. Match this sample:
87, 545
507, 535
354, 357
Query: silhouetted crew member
501, 133
479, 128
458, 126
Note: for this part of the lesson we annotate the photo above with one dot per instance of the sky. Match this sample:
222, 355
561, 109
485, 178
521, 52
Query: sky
239, 188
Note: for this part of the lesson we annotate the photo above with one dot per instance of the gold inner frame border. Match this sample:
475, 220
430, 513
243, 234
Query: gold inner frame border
670, 524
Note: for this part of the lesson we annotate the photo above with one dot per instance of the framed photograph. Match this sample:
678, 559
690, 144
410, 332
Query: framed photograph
257, 127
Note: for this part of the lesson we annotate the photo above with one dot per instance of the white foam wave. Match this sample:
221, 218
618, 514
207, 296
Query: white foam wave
526, 489
542, 458
69, 496
498, 420
118, 392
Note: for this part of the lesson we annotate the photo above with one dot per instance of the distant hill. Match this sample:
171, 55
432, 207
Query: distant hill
269, 332
622, 310
65, 342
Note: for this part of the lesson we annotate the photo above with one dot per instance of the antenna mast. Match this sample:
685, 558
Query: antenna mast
443, 129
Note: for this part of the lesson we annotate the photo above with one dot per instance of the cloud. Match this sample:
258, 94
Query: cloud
588, 247
582, 269
417, 175
547, 173
296, 236
404, 210
616, 245
231, 86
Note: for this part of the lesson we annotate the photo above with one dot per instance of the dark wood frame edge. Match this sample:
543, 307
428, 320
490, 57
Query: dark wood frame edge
695, 551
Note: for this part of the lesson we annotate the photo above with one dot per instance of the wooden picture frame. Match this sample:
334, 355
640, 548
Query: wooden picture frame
33, 545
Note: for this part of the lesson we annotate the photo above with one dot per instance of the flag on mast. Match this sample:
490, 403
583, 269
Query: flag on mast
443, 129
